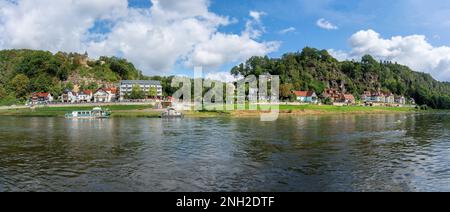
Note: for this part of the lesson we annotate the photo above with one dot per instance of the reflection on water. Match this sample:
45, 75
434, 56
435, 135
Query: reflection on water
314, 153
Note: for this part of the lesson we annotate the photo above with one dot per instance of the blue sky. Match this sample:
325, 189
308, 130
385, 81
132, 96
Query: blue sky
389, 18
164, 37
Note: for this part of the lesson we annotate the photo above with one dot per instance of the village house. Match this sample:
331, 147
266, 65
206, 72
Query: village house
400, 100
85, 96
332, 94
344, 99
105, 95
68, 97
379, 98
306, 97
41, 98
390, 98
348, 99
366, 96
376, 97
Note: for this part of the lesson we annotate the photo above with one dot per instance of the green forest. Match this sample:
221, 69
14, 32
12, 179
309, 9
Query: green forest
317, 70
25, 71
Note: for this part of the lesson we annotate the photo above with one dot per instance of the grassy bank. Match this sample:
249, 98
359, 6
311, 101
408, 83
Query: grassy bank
117, 110
298, 110
344, 109
148, 112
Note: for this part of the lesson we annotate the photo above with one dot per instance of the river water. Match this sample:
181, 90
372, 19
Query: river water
395, 152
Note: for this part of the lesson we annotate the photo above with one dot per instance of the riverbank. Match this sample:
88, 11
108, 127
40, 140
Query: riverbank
147, 111
60, 111
299, 110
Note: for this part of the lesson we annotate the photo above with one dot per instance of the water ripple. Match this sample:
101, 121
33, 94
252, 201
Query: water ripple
313, 153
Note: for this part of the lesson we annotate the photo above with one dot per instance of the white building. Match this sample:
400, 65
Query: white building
390, 98
400, 100
85, 96
126, 86
104, 95
41, 98
69, 97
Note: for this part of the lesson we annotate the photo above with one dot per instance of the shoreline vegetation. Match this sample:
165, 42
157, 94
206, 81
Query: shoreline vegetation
147, 111
24, 73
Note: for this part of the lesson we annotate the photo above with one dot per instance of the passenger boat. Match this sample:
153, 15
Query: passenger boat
96, 113
171, 113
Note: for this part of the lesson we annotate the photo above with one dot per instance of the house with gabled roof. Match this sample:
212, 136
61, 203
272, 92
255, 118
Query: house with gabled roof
41, 98
85, 96
306, 97
105, 95
68, 96
348, 99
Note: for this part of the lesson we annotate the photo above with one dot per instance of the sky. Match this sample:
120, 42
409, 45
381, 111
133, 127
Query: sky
170, 37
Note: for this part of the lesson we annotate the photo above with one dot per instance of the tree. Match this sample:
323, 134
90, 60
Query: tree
153, 92
56, 89
286, 90
122, 67
368, 59
69, 86
20, 85
292, 97
137, 92
82, 86
92, 86
3, 93
327, 101
41, 83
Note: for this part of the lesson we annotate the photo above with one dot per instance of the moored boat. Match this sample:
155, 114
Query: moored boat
172, 113
96, 113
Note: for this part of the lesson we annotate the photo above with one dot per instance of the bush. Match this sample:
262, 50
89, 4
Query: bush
327, 101
292, 98
423, 107
8, 100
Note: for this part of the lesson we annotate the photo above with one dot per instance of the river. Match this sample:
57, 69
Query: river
393, 152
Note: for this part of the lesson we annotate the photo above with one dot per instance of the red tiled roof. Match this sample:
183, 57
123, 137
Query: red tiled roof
349, 97
303, 93
41, 94
87, 92
112, 90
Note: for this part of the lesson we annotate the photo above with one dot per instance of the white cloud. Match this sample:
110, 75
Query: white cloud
414, 51
222, 77
254, 27
257, 15
53, 25
437, 37
155, 38
324, 24
340, 55
287, 30
223, 48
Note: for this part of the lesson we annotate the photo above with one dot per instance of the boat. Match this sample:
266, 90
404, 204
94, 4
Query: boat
171, 113
96, 113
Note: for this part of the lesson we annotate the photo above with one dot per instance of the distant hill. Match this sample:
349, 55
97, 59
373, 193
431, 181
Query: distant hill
26, 71
317, 70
